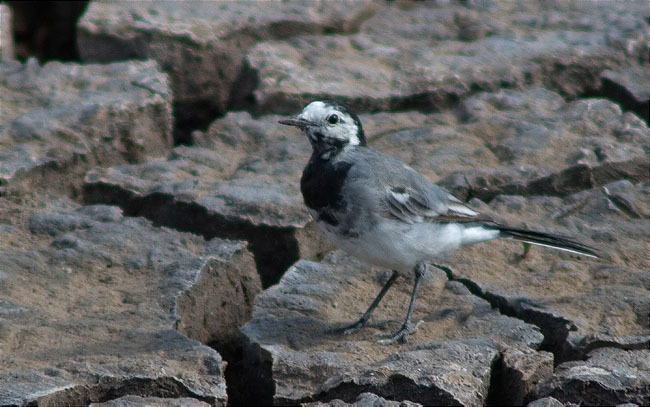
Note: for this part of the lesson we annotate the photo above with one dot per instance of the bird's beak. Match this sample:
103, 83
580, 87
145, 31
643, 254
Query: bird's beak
296, 121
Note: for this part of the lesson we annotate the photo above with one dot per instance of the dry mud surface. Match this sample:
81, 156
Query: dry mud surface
155, 249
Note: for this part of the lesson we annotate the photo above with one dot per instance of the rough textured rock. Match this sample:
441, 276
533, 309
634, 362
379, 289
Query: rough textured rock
364, 400
93, 302
608, 377
202, 47
57, 120
241, 181
532, 143
631, 88
298, 356
6, 36
99, 307
520, 372
428, 55
550, 402
136, 401
579, 304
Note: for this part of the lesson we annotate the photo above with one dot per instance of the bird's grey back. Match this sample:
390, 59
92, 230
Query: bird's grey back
374, 175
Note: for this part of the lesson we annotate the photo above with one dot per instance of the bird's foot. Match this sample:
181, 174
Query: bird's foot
348, 329
401, 335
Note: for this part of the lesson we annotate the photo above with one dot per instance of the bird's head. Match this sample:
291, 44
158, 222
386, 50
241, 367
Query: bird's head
329, 126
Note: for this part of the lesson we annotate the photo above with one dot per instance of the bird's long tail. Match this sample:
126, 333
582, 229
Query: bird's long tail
548, 240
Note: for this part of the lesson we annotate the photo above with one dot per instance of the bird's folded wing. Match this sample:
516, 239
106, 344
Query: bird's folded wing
412, 206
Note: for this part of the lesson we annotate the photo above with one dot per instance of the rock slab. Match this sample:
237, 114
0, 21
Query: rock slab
295, 346
240, 181
60, 119
97, 305
427, 56
202, 47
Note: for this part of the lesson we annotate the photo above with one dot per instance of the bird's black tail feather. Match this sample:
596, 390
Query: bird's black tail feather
548, 240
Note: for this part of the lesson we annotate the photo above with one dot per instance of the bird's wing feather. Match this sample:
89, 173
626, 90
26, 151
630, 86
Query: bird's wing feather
403, 193
414, 199
412, 205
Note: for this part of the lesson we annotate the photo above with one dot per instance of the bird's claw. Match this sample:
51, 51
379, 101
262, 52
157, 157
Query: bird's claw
401, 335
353, 327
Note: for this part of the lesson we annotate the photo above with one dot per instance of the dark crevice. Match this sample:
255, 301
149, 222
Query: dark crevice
241, 94
564, 183
274, 248
499, 394
110, 388
608, 344
620, 95
249, 377
190, 117
46, 30
397, 388
555, 329
506, 385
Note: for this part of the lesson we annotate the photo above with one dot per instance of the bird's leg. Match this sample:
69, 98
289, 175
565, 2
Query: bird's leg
407, 329
366, 315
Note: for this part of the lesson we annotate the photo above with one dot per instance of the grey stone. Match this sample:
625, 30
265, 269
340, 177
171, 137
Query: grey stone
6, 35
608, 377
224, 307
8, 307
136, 401
240, 181
60, 119
22, 387
364, 400
54, 224
522, 370
630, 87
448, 361
550, 402
578, 303
422, 57
538, 145
202, 46
634, 80
115, 306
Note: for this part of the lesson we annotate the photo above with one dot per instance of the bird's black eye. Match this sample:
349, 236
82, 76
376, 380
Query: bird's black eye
333, 119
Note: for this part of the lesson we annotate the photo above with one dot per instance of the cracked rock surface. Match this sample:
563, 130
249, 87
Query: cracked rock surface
155, 249
580, 303
239, 181
446, 52
293, 330
202, 47
609, 376
91, 308
57, 120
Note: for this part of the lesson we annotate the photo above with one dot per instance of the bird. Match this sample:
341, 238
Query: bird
385, 213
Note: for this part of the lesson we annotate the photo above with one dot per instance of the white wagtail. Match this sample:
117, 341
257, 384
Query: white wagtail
382, 211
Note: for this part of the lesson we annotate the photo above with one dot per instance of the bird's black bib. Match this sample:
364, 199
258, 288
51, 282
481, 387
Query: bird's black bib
321, 185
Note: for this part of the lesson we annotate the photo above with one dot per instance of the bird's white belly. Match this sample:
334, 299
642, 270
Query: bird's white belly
396, 245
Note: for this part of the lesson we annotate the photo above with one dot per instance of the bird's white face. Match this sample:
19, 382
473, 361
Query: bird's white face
330, 123
329, 126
